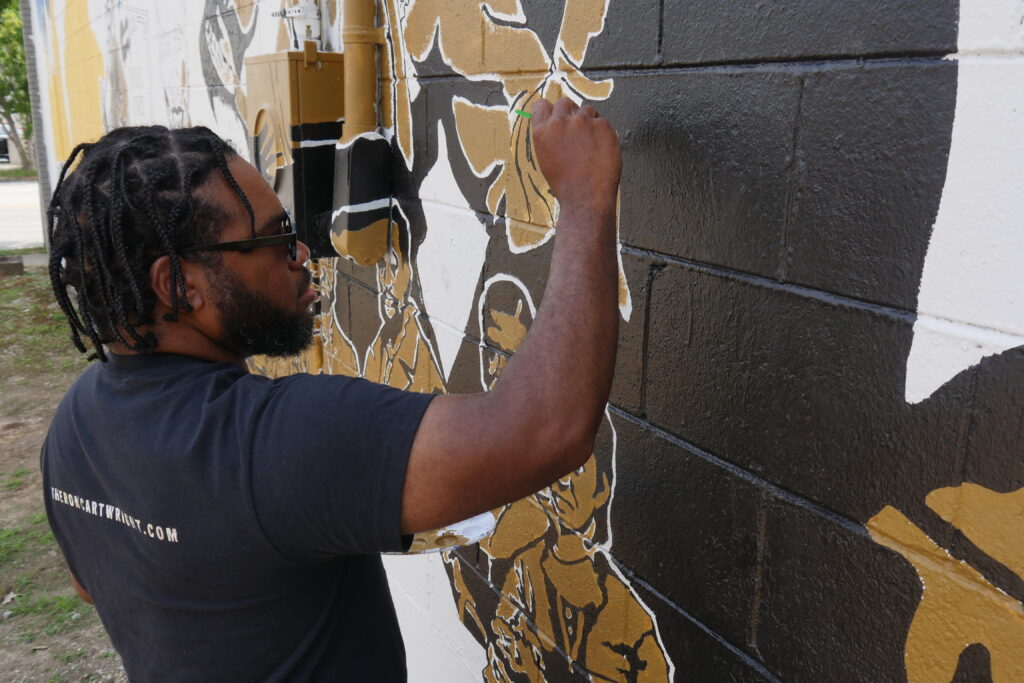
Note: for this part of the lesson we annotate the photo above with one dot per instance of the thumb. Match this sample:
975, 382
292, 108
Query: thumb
541, 110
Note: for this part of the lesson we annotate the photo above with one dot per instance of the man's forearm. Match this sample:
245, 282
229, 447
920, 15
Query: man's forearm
559, 380
475, 452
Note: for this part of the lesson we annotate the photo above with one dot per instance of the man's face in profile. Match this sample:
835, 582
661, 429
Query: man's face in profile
261, 294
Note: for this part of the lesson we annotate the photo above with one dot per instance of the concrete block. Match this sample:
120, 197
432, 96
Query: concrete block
629, 360
695, 654
804, 392
834, 605
705, 163
688, 527
737, 30
872, 146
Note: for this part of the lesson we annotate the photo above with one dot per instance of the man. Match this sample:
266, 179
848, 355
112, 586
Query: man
228, 526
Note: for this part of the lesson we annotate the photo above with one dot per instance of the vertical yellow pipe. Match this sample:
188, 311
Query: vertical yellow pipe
361, 36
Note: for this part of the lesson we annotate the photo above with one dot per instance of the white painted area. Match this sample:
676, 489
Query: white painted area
472, 530
990, 27
971, 300
318, 143
21, 219
362, 136
438, 648
452, 254
374, 205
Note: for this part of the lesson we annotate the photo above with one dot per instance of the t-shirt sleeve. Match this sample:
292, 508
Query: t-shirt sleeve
329, 456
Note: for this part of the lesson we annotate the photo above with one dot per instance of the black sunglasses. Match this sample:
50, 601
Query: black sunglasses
288, 237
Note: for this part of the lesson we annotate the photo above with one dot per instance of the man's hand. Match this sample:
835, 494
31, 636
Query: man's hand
476, 452
577, 151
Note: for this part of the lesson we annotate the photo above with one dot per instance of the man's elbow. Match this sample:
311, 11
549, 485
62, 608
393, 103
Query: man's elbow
573, 445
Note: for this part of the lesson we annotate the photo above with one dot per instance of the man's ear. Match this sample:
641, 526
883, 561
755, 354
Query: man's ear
160, 281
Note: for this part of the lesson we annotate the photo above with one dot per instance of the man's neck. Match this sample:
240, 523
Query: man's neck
183, 338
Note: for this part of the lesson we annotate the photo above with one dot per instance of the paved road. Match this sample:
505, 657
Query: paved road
21, 222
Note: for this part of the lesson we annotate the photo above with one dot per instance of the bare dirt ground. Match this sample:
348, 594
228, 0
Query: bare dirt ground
46, 632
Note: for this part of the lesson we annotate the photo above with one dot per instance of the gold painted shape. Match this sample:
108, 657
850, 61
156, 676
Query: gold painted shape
992, 521
958, 607
365, 247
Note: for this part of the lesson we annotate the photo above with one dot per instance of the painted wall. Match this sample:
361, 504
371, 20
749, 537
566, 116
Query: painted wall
811, 464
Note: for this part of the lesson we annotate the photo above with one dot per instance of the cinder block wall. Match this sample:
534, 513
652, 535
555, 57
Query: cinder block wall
810, 468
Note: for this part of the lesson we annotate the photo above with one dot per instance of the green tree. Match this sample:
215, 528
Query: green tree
15, 107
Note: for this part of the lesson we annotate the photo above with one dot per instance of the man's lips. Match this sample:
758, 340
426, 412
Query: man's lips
307, 296
306, 293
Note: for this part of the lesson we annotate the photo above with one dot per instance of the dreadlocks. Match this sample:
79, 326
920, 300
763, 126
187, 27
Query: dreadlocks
131, 199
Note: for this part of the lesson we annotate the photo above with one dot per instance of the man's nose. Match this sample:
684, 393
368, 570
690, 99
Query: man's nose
301, 253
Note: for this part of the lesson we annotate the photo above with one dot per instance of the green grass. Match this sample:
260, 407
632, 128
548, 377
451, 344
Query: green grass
42, 607
68, 657
16, 479
35, 537
59, 612
36, 350
34, 330
20, 173
22, 251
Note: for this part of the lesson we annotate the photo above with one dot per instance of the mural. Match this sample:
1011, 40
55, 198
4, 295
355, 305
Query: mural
810, 464
550, 555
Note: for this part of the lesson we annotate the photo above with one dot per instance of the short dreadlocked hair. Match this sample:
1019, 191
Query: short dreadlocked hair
131, 199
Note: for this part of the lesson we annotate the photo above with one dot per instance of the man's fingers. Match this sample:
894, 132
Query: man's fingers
588, 110
541, 110
565, 107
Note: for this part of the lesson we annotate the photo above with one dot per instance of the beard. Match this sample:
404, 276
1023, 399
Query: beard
252, 325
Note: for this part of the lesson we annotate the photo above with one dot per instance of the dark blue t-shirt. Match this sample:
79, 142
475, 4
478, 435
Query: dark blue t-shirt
228, 525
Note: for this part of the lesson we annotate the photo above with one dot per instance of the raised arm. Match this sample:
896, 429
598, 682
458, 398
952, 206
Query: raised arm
473, 453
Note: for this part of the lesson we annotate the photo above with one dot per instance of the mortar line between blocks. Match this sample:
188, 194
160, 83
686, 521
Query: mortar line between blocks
897, 314
737, 652
777, 491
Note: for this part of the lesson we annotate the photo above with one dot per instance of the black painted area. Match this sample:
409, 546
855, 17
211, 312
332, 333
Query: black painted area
464, 377
974, 666
806, 394
873, 141
629, 361
705, 162
993, 456
740, 30
997, 424
697, 655
835, 606
324, 130
686, 526
629, 37
310, 197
